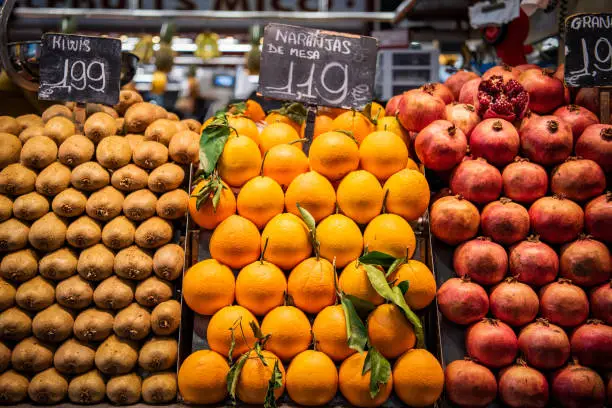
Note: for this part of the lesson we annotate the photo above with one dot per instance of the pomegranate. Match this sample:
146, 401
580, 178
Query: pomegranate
521, 386
504, 221
556, 219
463, 116
462, 301
560, 72
505, 71
577, 117
600, 300
491, 342
498, 98
567, 95
418, 108
484, 261
528, 116
524, 181
592, 344
496, 140
578, 179
577, 386
533, 262
392, 105
546, 92
598, 217
456, 81
544, 345
595, 143
585, 262
525, 67
513, 302
439, 90
588, 98
546, 140
440, 145
477, 181
469, 91
454, 219
564, 303
469, 384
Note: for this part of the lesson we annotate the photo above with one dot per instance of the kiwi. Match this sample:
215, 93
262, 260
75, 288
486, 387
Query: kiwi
7, 295
58, 265
89, 176
105, 204
134, 140
133, 263
114, 293
83, 232
118, 233
129, 178
29, 132
32, 355
69, 203
184, 147
16, 179
124, 389
56, 110
13, 235
54, 324
150, 155
59, 129
166, 177
8, 124
153, 233
173, 117
140, 115
11, 149
88, 388
159, 388
173, 205
133, 322
153, 291
98, 126
74, 357
166, 318
35, 295
74, 293
192, 124
116, 355
54, 179
75, 150
93, 325
15, 324
158, 354
109, 110
96, 263
113, 152
6, 208
30, 207
38, 152
140, 205
19, 266
48, 233
5, 357
13, 387
127, 98
48, 387
29, 120
161, 131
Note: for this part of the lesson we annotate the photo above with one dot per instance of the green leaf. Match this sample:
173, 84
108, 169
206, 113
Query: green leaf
396, 264
362, 306
379, 368
232, 344
378, 258
212, 141
233, 375
403, 286
307, 217
356, 335
258, 351
217, 197
238, 108
276, 381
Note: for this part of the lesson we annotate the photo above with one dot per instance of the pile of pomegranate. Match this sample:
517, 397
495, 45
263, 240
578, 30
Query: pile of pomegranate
532, 224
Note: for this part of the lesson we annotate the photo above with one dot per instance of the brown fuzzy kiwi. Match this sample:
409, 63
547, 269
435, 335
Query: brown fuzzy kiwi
7, 295
32, 355
76, 150
105, 204
13, 387
161, 131
173, 205
140, 205
120, 125
88, 388
8, 124
69, 203
124, 389
134, 140
116, 355
13, 235
166, 317
38, 152
109, 110
48, 387
133, 263
153, 291
19, 266
54, 179
98, 126
127, 98
89, 176
15, 324
153, 233
29, 132
5, 357
74, 293
118, 233
192, 124
35, 295
160, 112
28, 120
173, 117
139, 116
93, 325
16, 180
48, 233
150, 155
159, 388
166, 177
59, 129
184, 147
158, 354
133, 322
74, 357
96, 263
6, 208
31, 206
58, 265
130, 178
54, 324
83, 232
114, 293
113, 152
56, 110
11, 149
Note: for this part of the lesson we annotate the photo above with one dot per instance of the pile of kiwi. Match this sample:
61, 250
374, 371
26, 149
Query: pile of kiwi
87, 259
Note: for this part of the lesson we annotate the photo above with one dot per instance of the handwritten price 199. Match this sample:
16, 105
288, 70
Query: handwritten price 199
81, 75
602, 51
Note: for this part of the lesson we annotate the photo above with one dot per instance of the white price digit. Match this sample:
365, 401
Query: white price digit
78, 82
342, 90
100, 77
307, 84
287, 88
607, 58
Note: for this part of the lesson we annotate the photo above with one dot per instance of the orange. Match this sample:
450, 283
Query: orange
360, 196
329, 330
391, 124
208, 286
313, 192
356, 387
391, 234
422, 285
312, 379
260, 199
206, 123
354, 122
311, 285
202, 378
278, 133
412, 165
275, 117
219, 335
244, 126
208, 217
240, 161
377, 111
254, 111
408, 194
418, 378
382, 154
339, 237
354, 281
331, 112
334, 155
285, 162
389, 331
254, 378
322, 124
260, 287
289, 330
288, 241
235, 242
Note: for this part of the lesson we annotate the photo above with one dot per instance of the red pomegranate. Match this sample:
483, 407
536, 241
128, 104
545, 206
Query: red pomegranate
469, 91
505, 71
524, 181
528, 116
560, 72
469, 384
556, 219
564, 303
496, 140
600, 300
595, 143
392, 105
498, 98
454, 219
544, 345
586, 262
577, 386
592, 344
505, 221
462, 301
577, 117
546, 93
546, 140
440, 145
484, 261
418, 108
477, 181
598, 217
491, 342
588, 98
513, 302
456, 81
521, 386
567, 95
533, 262
463, 116
439, 90
525, 67
578, 179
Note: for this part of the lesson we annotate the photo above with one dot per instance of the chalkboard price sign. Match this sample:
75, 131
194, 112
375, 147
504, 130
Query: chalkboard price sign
80, 68
588, 50
317, 67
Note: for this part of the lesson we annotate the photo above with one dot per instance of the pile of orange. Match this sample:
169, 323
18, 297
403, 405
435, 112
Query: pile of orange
363, 191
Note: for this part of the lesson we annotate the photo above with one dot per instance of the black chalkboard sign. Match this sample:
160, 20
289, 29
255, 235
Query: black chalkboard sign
588, 50
317, 67
80, 68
